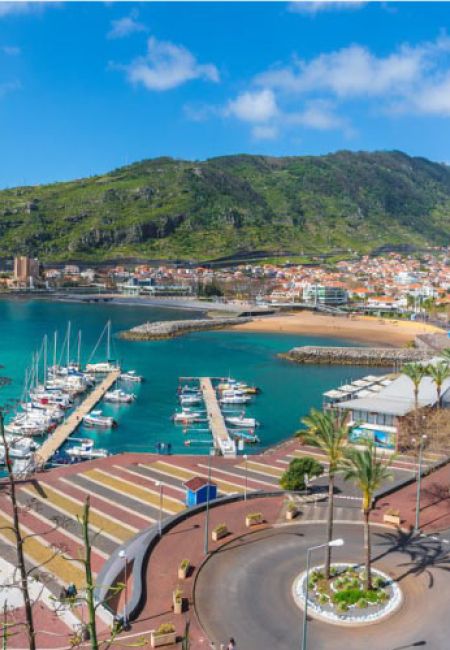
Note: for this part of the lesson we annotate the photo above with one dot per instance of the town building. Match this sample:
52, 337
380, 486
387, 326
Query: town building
325, 294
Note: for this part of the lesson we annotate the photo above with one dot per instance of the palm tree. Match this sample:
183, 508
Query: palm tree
368, 472
446, 354
439, 372
416, 372
328, 432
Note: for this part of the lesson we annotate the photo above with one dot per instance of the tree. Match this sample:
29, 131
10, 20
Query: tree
294, 477
439, 372
446, 354
368, 472
328, 432
416, 372
19, 542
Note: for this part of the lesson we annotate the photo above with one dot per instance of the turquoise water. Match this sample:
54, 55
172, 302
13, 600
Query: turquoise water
288, 390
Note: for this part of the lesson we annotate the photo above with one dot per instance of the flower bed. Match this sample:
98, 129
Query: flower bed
343, 599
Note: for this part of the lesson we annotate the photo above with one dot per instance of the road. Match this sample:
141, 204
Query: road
244, 591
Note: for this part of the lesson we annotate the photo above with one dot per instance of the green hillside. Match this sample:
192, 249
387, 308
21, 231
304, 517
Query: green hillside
165, 208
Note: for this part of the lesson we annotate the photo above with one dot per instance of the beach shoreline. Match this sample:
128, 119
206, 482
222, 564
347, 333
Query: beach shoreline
363, 329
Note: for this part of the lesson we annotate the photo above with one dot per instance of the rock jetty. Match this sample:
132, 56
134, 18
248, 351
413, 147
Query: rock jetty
355, 356
171, 328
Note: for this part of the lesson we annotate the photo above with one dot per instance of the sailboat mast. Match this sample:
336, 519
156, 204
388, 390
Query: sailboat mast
108, 342
79, 350
68, 343
55, 348
45, 359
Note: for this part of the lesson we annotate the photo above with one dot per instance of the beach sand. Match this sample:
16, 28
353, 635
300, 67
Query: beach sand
366, 329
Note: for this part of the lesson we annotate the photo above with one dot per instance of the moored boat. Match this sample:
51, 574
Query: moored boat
118, 396
98, 420
241, 421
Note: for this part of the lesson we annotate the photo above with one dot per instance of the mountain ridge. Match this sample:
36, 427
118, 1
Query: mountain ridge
172, 208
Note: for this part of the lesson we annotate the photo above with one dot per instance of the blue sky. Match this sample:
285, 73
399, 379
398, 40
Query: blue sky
87, 87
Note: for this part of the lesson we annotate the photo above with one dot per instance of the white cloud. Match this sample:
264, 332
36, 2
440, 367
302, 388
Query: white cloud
434, 99
314, 7
350, 72
126, 26
265, 132
166, 66
257, 106
20, 7
318, 115
9, 87
10, 50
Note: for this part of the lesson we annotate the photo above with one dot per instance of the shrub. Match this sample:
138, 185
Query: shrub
342, 607
254, 516
351, 596
292, 506
382, 596
322, 586
184, 564
220, 528
334, 571
378, 582
165, 628
323, 599
294, 477
362, 603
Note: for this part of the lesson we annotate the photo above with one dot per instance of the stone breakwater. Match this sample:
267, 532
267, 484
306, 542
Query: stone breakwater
355, 356
169, 329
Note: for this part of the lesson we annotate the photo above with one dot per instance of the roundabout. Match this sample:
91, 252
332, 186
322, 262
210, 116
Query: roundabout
245, 590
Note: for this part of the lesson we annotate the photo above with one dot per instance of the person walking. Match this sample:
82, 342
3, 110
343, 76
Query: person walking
231, 644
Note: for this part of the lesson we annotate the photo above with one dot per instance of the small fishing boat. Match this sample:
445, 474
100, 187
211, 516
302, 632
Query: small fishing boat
86, 451
241, 421
246, 436
131, 376
186, 415
98, 420
119, 396
235, 399
185, 400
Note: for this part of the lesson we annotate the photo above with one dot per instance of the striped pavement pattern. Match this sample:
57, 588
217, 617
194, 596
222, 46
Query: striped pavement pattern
125, 498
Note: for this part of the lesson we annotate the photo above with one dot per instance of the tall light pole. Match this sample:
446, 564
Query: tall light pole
245, 457
419, 479
123, 555
160, 485
334, 542
206, 546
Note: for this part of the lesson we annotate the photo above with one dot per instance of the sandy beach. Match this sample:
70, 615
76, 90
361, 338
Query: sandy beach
367, 329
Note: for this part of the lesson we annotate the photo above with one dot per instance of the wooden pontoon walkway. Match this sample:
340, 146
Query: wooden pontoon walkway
64, 430
221, 437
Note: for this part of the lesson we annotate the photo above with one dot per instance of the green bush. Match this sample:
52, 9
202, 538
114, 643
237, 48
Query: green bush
342, 607
323, 599
294, 477
220, 528
362, 603
351, 596
165, 628
378, 582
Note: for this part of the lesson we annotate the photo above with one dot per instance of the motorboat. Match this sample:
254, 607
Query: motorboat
241, 421
131, 376
235, 399
102, 366
186, 415
187, 400
23, 466
98, 420
86, 451
119, 396
246, 436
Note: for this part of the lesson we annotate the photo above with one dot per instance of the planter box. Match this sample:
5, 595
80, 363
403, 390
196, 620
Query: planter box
291, 514
178, 606
218, 534
183, 572
391, 518
253, 521
157, 640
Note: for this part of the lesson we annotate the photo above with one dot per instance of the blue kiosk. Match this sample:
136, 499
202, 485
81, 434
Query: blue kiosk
197, 489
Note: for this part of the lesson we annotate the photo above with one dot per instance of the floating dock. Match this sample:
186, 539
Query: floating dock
221, 437
64, 430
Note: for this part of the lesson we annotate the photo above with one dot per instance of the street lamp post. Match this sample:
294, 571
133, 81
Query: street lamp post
206, 545
160, 485
245, 457
419, 479
334, 542
123, 555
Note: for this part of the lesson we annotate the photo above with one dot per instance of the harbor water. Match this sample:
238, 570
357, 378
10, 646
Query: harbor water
288, 390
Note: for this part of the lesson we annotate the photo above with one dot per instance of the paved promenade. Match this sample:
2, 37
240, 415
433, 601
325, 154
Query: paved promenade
125, 500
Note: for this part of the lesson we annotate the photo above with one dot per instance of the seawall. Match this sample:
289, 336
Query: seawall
169, 329
353, 356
